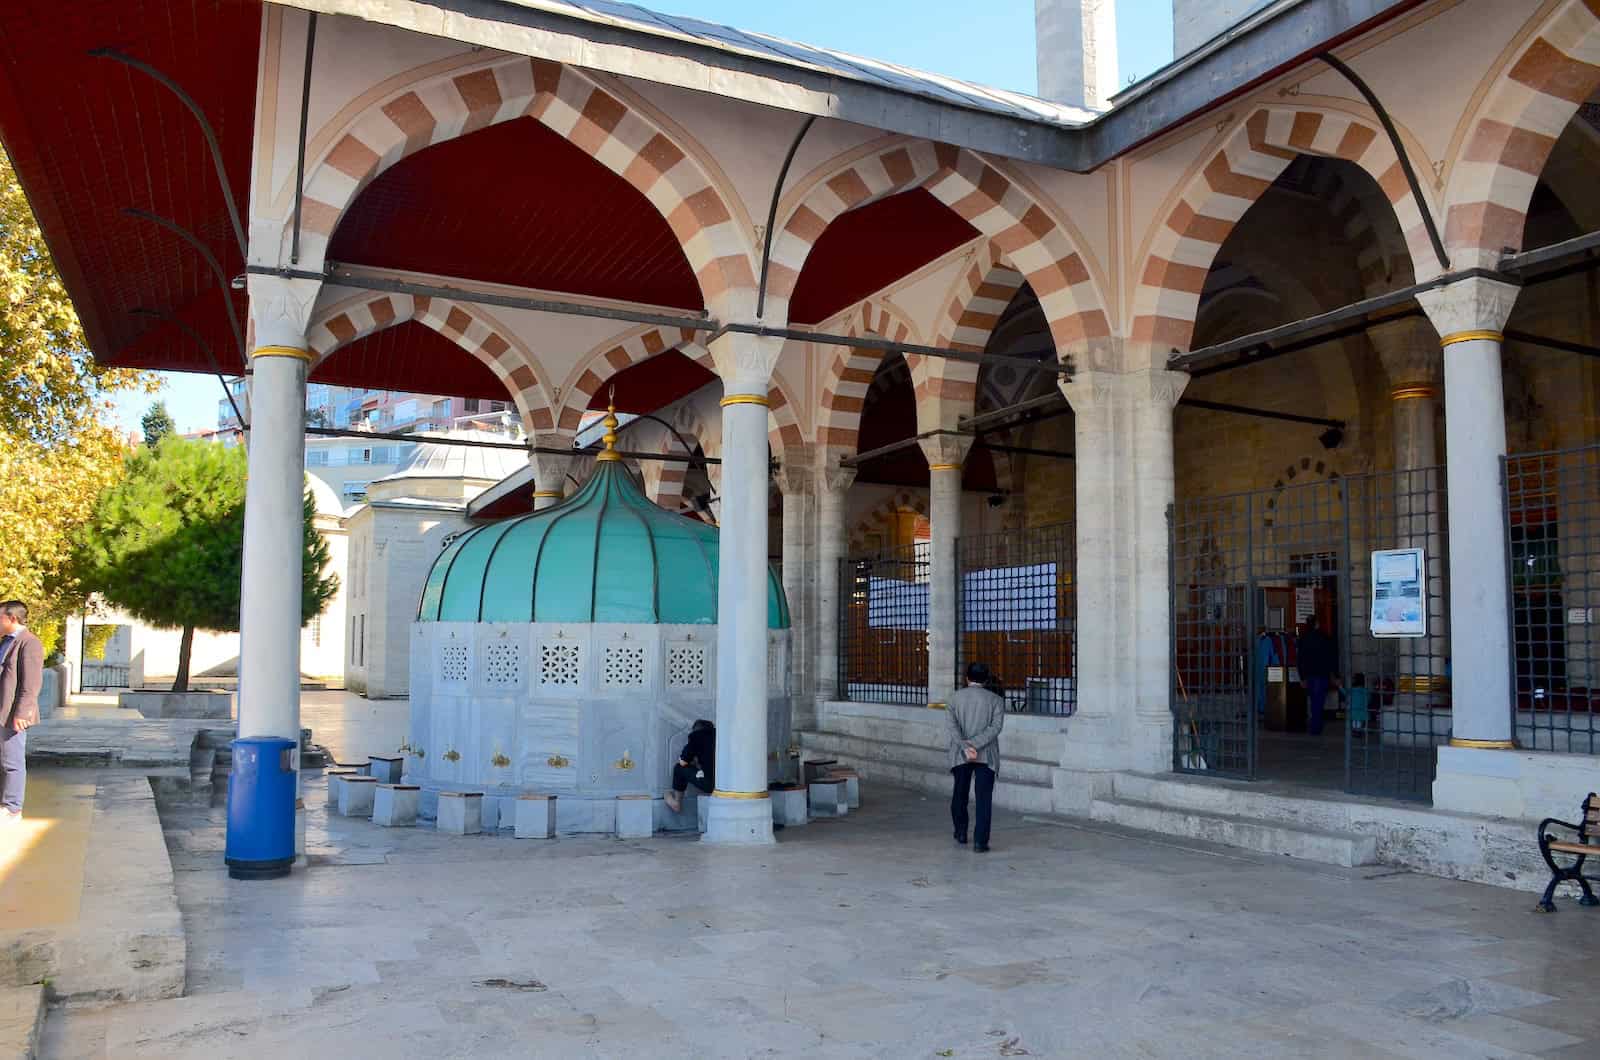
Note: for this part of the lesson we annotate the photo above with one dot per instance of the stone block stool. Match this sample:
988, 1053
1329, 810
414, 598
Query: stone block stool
385, 769
395, 805
827, 798
354, 767
636, 817
334, 777
535, 817
852, 786
461, 812
789, 806
356, 796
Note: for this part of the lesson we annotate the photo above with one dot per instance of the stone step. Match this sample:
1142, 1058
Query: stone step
908, 765
21, 1020
1323, 811
827, 742
1344, 849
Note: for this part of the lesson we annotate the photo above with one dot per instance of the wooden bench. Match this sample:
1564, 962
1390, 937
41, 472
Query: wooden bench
1586, 845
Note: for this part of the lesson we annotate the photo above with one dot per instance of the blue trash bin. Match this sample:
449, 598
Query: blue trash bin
261, 798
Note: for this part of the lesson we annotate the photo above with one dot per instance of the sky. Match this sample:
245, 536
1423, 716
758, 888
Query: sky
990, 43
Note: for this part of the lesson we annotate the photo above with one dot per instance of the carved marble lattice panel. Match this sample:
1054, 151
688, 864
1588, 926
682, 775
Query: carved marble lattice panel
777, 668
454, 664
686, 666
624, 666
502, 664
560, 664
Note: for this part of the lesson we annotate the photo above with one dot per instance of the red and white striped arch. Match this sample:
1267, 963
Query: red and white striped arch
441, 107
849, 377
663, 480
1230, 181
467, 326
1516, 127
1036, 244
882, 519
947, 388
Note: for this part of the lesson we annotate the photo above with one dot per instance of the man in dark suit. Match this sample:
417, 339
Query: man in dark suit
21, 675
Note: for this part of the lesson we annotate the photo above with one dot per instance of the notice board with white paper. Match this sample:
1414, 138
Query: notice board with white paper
1399, 608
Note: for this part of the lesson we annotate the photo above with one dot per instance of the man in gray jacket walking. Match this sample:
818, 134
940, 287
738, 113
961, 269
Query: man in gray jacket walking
974, 716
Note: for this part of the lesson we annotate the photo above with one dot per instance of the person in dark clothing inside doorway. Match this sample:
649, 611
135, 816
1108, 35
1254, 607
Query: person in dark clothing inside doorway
1318, 662
697, 764
974, 717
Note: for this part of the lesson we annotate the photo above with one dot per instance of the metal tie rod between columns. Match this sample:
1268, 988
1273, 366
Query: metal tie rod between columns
550, 450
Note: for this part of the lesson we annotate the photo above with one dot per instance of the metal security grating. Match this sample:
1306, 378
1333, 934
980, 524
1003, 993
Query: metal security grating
883, 626
1250, 574
1553, 532
1018, 614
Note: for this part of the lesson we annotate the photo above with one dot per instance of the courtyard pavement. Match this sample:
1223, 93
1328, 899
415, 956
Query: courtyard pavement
867, 936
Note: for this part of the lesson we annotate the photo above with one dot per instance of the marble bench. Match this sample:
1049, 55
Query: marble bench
460, 812
356, 796
335, 777
535, 817
395, 805
827, 798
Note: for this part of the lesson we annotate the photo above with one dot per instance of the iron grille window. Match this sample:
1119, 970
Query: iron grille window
1553, 534
1248, 572
883, 626
1017, 614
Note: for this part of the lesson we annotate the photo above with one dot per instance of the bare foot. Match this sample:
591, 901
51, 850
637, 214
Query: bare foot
674, 801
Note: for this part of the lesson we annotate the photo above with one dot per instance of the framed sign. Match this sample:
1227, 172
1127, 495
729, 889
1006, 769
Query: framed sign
1398, 606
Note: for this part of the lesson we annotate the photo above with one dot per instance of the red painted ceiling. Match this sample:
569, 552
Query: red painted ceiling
518, 204
654, 384
869, 248
416, 356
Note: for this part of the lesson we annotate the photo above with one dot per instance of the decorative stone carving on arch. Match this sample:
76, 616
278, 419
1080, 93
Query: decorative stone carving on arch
1038, 246
467, 326
883, 516
1511, 135
1229, 181
849, 377
437, 108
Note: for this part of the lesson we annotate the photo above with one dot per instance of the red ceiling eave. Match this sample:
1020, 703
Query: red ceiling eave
90, 137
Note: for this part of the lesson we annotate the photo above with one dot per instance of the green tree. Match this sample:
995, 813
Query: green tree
157, 423
166, 544
56, 452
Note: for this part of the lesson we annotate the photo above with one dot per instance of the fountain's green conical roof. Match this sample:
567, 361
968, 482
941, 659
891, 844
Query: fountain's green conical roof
605, 554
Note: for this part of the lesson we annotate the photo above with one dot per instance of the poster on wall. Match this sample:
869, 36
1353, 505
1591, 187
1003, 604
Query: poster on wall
1305, 604
1398, 607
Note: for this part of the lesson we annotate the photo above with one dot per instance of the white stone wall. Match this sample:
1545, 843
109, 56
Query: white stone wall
1196, 21
392, 548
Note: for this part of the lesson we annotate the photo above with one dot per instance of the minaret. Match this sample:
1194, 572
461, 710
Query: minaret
1076, 42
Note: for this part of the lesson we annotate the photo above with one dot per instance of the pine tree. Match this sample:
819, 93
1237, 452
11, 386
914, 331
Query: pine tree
157, 423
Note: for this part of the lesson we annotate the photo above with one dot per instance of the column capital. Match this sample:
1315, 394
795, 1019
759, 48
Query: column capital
1409, 351
794, 479
549, 470
1098, 389
835, 479
280, 310
745, 362
1473, 305
945, 451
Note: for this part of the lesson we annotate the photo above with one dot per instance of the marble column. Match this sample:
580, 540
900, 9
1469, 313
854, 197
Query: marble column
833, 488
1123, 423
794, 480
1409, 350
1469, 315
270, 583
740, 811
549, 472
945, 453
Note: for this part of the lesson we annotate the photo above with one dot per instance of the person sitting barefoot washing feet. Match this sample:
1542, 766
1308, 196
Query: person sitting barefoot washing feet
697, 765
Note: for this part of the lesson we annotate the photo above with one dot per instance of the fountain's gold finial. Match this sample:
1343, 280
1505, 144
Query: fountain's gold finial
610, 438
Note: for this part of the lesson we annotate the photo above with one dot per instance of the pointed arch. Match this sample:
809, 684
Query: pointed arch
614, 355
883, 516
1039, 246
1229, 181
1514, 130
467, 326
849, 377
442, 107
946, 388
663, 479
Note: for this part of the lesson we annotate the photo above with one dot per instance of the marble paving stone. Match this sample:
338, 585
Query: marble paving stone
872, 937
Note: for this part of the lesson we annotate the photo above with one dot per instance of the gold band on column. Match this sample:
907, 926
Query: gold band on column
1413, 391
1484, 745
720, 794
547, 493
746, 399
283, 351
944, 467
1471, 336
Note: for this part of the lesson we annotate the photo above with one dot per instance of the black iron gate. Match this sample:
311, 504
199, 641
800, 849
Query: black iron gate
1018, 614
883, 626
1251, 573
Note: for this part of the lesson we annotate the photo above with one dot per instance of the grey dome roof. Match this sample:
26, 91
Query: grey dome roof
460, 461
